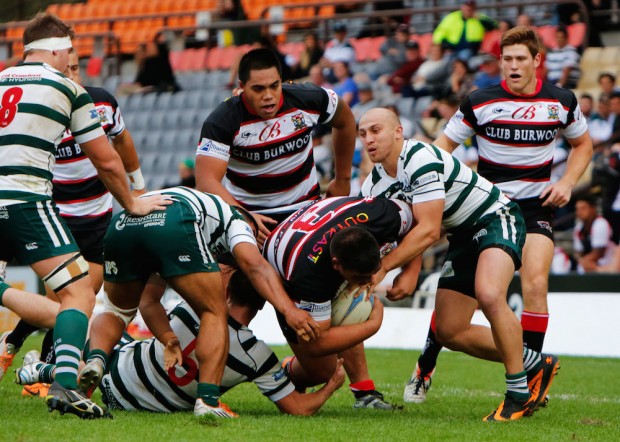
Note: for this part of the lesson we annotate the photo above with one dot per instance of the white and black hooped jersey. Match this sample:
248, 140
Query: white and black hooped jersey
426, 173
299, 247
136, 379
270, 162
516, 134
37, 105
79, 194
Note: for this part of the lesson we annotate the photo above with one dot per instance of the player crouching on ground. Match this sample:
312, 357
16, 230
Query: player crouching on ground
180, 244
146, 375
315, 250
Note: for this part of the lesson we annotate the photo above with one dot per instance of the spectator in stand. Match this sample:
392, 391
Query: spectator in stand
310, 56
460, 81
601, 122
232, 10
187, 177
345, 86
586, 103
367, 101
614, 106
524, 20
338, 49
503, 26
592, 236
490, 73
400, 80
431, 76
316, 77
607, 82
155, 72
393, 53
562, 63
463, 30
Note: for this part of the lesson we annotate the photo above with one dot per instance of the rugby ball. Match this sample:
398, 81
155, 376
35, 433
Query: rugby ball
350, 305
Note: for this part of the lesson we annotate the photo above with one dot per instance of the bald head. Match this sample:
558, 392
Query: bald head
379, 115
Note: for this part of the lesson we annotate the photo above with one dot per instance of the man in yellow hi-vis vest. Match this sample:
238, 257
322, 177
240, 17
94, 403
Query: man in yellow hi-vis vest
462, 31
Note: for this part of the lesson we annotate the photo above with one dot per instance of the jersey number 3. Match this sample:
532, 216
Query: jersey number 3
8, 105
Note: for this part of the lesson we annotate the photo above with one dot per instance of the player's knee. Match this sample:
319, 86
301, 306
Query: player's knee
449, 333
125, 315
490, 300
67, 273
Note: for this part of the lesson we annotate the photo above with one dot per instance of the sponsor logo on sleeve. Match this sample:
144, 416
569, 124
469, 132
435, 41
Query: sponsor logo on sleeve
278, 375
430, 177
207, 146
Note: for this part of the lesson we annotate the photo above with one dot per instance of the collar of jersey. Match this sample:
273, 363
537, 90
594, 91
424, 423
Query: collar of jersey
536, 91
236, 325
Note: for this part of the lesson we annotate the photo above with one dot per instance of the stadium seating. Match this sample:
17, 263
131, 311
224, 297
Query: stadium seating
595, 61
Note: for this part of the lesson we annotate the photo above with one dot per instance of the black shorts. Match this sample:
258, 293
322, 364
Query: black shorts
91, 244
538, 219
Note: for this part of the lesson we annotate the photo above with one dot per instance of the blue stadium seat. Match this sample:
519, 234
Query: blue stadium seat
156, 119
179, 100
163, 100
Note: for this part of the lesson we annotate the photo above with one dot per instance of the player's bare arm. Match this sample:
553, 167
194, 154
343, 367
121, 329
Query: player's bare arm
427, 232
445, 143
343, 140
559, 193
306, 404
124, 146
111, 172
210, 172
406, 281
267, 282
156, 320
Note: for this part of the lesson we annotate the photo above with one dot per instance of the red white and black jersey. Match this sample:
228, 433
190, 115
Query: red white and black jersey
270, 162
299, 247
80, 195
516, 134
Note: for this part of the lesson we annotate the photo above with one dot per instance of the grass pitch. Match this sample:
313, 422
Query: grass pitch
584, 405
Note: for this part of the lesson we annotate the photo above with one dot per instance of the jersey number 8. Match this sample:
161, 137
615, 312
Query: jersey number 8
8, 105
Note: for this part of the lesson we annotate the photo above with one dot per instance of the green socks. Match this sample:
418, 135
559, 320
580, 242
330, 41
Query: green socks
209, 393
516, 385
69, 338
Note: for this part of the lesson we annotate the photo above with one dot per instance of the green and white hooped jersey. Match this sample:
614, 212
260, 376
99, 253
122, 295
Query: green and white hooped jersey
37, 105
427, 173
137, 380
223, 226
